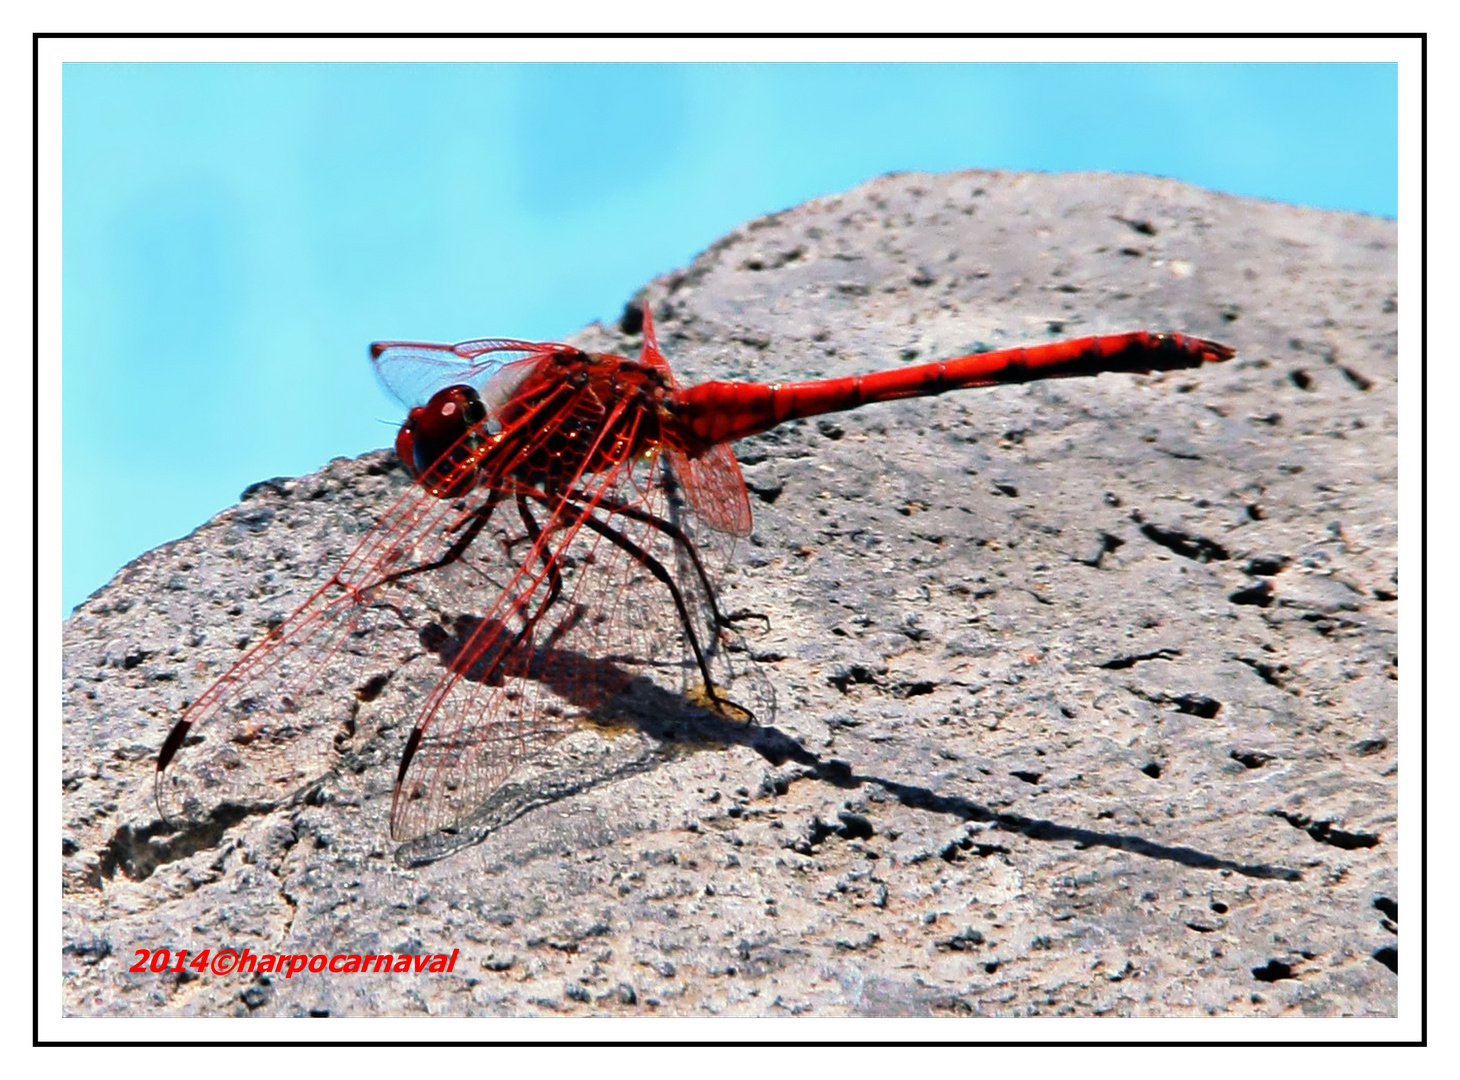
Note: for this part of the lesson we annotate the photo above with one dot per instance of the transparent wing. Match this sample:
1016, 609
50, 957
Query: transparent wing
411, 371
715, 487
273, 724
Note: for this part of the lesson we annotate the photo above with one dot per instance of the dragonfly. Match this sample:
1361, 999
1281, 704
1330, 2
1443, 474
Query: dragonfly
561, 540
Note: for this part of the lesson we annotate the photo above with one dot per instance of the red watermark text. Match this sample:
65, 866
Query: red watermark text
248, 962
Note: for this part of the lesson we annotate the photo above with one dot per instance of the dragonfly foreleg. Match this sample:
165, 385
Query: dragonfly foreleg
476, 521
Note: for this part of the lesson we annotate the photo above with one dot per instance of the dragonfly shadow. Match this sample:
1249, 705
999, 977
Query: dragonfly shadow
840, 774
778, 748
609, 699
486, 651
673, 724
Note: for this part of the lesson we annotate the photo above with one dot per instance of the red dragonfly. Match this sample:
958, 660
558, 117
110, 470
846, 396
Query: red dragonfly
581, 502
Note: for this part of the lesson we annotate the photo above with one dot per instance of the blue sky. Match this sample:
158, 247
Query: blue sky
234, 235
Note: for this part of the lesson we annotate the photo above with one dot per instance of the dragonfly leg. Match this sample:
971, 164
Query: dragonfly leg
675, 533
655, 567
550, 566
478, 519
489, 634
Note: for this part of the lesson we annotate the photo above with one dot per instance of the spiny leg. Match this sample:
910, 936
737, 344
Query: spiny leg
655, 567
551, 565
478, 519
519, 606
675, 533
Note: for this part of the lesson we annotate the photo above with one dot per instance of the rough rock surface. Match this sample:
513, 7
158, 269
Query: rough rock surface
1087, 689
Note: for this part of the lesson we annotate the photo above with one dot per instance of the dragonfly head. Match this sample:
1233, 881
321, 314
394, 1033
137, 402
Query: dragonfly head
437, 444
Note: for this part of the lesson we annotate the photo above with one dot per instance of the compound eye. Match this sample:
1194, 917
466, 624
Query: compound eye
437, 439
405, 442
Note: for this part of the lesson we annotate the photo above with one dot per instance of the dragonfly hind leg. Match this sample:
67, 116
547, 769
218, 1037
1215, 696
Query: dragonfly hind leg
656, 568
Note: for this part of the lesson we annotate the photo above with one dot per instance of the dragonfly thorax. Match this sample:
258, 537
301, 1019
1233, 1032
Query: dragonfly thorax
581, 416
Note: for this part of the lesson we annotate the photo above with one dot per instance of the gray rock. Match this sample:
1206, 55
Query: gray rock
1030, 755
